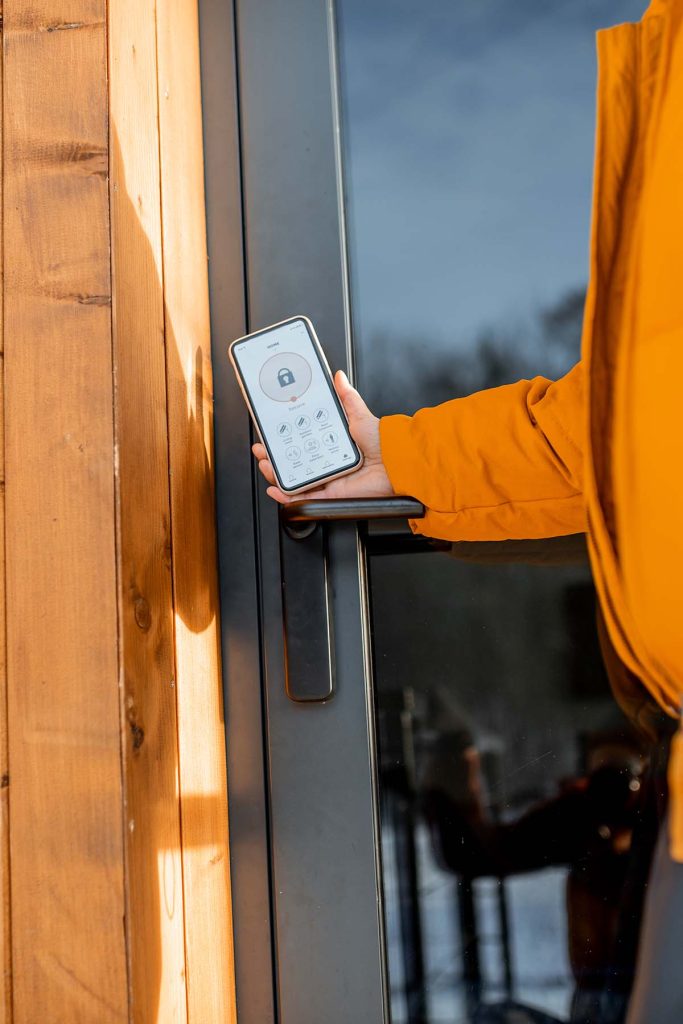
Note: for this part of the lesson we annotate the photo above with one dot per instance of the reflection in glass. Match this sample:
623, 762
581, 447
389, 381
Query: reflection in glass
520, 805
520, 802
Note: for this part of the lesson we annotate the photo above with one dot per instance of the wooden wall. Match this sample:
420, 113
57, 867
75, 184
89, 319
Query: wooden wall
114, 869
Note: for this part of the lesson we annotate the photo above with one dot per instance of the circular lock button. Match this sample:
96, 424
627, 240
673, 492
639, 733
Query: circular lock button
285, 377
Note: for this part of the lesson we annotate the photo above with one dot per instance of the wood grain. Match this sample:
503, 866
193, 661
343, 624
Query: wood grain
201, 738
115, 729
150, 732
68, 941
5, 934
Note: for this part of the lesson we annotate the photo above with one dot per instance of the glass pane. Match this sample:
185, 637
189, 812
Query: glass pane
520, 805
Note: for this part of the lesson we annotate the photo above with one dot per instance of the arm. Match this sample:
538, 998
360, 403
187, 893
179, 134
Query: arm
500, 464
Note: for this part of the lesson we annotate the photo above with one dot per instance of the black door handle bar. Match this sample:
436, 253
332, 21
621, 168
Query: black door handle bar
306, 595
319, 510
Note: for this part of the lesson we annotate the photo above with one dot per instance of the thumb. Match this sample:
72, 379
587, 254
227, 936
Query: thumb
354, 406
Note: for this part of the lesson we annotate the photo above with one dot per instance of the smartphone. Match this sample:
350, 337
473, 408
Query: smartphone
288, 388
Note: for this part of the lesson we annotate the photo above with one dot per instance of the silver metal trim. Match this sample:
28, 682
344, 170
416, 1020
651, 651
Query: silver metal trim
363, 583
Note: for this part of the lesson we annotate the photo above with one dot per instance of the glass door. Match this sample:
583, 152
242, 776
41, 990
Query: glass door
519, 804
462, 832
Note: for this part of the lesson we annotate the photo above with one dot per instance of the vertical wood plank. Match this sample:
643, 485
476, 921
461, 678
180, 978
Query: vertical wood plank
155, 889
208, 924
5, 937
66, 842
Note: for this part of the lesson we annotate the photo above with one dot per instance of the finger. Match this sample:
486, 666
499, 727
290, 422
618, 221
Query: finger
285, 499
342, 384
319, 492
335, 489
267, 470
259, 451
354, 406
279, 496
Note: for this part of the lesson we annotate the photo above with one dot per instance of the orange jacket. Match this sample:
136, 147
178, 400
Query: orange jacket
602, 449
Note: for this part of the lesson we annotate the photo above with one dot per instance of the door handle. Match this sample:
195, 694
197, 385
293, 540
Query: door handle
320, 510
306, 585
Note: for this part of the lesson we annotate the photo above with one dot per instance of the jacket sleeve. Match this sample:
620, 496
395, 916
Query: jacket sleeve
500, 464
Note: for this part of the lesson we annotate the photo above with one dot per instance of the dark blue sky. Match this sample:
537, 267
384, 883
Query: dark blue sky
469, 133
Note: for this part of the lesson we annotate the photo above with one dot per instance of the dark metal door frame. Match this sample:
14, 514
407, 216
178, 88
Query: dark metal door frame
301, 778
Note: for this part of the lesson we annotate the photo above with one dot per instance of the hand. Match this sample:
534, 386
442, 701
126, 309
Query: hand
370, 481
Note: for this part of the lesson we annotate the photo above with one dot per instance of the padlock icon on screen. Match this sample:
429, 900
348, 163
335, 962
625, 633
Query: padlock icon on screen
285, 377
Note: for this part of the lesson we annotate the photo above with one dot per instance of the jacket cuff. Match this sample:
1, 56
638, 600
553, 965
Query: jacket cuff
401, 458
403, 463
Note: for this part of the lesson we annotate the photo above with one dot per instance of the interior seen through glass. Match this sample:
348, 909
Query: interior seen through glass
520, 805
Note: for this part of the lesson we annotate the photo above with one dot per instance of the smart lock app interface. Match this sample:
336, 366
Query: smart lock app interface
290, 395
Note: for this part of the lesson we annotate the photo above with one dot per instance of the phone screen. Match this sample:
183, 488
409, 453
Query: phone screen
295, 405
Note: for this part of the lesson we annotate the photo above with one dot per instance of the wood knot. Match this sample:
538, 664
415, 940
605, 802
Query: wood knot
62, 26
136, 731
143, 614
137, 734
4, 781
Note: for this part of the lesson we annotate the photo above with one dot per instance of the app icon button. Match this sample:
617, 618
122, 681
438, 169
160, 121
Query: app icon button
321, 415
284, 429
330, 438
293, 453
302, 422
311, 445
285, 376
